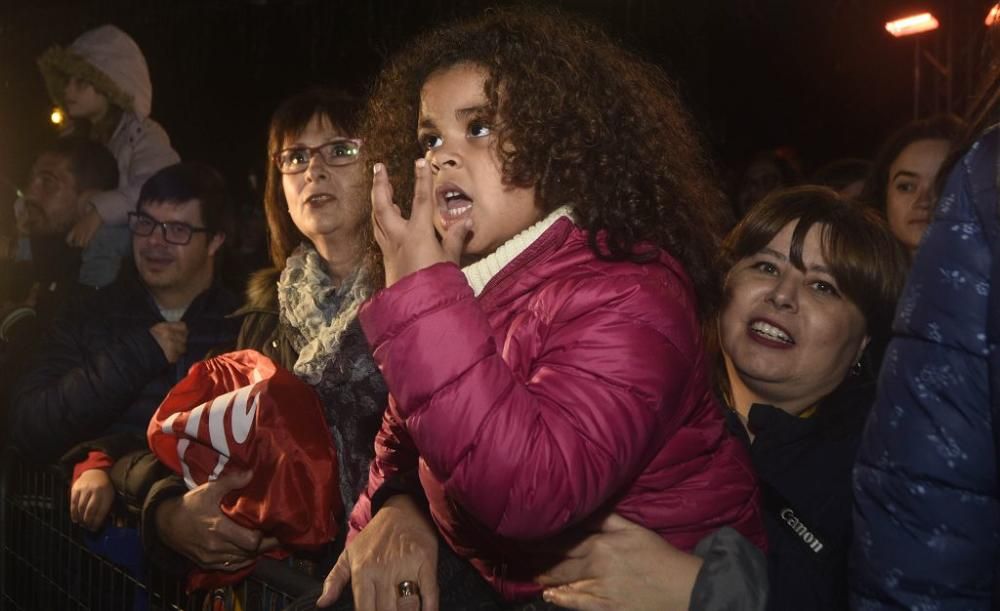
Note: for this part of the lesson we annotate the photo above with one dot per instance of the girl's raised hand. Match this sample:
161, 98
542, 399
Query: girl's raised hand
409, 245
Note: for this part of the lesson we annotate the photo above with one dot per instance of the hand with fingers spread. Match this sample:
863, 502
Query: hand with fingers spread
623, 566
172, 338
399, 545
195, 526
409, 245
91, 496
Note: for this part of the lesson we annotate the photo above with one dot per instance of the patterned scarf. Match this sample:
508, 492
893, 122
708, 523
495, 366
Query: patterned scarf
317, 309
335, 359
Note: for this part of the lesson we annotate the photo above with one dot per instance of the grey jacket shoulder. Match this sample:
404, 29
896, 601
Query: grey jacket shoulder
733, 576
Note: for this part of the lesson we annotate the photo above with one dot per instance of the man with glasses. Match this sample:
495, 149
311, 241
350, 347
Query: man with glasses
110, 361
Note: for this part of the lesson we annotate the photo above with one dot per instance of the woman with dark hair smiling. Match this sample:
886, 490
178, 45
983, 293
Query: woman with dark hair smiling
811, 280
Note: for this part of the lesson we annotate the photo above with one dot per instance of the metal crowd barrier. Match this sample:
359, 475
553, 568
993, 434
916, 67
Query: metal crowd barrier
47, 562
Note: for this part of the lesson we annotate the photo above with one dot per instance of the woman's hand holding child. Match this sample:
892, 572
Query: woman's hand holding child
399, 544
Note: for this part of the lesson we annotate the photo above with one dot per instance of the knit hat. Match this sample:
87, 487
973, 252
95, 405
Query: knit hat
108, 59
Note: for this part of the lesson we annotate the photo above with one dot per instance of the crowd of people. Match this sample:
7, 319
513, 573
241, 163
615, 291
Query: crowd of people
557, 368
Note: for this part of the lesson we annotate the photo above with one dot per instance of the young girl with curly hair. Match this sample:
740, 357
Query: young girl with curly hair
547, 261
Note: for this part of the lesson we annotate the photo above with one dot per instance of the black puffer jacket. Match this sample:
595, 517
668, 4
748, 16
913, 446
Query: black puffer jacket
99, 370
804, 467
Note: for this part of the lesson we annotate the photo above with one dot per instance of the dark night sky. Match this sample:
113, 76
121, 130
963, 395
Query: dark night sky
820, 75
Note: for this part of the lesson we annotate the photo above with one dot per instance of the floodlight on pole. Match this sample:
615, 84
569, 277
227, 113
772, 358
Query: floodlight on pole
993, 16
914, 24
918, 24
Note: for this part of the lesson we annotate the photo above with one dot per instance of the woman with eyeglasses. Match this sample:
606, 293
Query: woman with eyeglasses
302, 314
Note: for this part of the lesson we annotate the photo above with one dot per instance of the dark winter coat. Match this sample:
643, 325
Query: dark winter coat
927, 517
53, 268
804, 466
99, 370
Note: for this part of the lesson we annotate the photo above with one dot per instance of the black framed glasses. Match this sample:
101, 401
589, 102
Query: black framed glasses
174, 232
342, 151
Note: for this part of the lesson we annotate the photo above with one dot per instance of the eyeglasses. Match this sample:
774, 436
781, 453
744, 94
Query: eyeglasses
173, 232
342, 151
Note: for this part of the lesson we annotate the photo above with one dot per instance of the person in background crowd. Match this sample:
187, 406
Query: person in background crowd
845, 176
110, 360
812, 278
767, 171
62, 177
250, 252
102, 83
9, 230
539, 330
302, 313
927, 512
902, 182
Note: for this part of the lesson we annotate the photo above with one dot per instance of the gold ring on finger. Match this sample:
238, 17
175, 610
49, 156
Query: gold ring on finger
408, 588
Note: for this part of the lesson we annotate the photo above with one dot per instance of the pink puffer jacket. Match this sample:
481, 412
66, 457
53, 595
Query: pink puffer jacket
570, 387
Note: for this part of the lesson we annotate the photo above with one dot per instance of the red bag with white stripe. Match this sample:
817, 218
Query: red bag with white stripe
241, 411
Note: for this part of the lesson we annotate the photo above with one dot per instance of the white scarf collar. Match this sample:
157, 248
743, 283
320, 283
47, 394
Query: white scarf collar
482, 271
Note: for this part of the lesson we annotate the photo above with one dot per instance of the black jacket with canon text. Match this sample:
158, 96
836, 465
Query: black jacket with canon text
804, 466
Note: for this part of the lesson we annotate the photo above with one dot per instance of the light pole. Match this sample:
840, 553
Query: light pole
913, 25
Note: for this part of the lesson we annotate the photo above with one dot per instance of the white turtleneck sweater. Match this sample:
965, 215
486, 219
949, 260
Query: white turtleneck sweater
482, 271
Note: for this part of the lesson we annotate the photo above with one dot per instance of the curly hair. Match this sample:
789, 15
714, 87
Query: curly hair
582, 120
